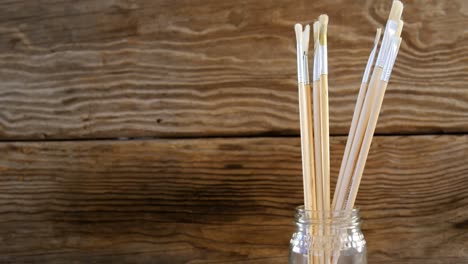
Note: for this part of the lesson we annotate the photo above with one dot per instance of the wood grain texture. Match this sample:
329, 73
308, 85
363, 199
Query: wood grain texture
220, 200
137, 68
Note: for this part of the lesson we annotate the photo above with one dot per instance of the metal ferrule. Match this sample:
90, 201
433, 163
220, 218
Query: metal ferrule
390, 61
370, 62
390, 30
317, 65
306, 77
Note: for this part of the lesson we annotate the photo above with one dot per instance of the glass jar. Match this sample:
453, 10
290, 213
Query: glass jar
327, 238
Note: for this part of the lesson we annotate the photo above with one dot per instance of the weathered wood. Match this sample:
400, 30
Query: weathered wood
220, 200
105, 69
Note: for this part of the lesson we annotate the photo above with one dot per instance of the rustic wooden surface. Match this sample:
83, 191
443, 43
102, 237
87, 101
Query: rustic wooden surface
75, 76
220, 200
138, 68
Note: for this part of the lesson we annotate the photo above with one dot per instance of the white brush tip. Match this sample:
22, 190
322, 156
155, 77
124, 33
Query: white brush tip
396, 11
316, 26
377, 36
305, 38
316, 29
298, 30
400, 27
323, 19
307, 29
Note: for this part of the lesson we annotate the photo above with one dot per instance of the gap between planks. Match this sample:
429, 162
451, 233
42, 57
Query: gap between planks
257, 135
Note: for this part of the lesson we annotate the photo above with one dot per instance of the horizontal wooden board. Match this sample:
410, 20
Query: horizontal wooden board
107, 69
220, 200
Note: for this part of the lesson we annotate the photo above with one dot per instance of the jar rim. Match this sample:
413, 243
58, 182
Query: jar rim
317, 217
336, 212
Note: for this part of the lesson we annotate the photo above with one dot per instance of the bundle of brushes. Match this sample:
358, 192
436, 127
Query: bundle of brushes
313, 109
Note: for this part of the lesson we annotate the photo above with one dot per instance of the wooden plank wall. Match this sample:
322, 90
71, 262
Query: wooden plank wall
137, 131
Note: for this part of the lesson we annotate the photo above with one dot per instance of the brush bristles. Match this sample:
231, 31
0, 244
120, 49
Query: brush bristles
400, 28
396, 11
377, 36
316, 33
298, 30
305, 39
323, 19
300, 68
